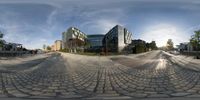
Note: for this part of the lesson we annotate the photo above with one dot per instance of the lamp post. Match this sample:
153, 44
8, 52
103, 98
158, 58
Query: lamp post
106, 45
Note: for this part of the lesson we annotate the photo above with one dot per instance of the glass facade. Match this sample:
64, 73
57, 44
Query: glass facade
117, 39
95, 42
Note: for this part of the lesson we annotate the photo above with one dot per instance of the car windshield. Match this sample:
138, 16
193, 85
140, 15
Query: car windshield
99, 49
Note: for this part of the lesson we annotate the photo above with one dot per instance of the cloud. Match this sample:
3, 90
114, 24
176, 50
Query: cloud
193, 28
20, 25
101, 21
37, 22
102, 25
51, 17
162, 32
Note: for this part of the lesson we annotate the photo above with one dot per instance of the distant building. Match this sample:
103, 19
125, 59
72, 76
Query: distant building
40, 51
12, 47
58, 45
117, 39
95, 42
185, 47
138, 46
52, 48
73, 39
137, 42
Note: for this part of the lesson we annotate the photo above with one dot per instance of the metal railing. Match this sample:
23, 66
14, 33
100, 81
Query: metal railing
12, 53
190, 53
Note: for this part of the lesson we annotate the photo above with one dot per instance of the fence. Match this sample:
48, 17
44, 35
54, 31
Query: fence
12, 53
191, 53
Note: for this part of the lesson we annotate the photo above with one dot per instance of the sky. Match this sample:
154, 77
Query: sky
37, 22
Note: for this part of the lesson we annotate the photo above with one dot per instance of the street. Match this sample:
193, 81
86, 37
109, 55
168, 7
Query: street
151, 75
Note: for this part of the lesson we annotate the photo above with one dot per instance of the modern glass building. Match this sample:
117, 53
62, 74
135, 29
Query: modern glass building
73, 39
117, 39
95, 42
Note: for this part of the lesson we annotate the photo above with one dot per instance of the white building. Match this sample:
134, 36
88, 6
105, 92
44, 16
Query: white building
58, 45
186, 46
52, 47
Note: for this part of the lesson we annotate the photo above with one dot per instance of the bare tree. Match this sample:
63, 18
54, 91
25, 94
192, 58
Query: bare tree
170, 44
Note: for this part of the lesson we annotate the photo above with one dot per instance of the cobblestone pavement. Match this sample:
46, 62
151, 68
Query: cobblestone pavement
64, 76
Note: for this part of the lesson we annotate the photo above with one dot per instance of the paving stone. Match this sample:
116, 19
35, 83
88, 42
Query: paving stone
138, 95
105, 79
158, 96
180, 94
110, 98
192, 91
18, 94
194, 96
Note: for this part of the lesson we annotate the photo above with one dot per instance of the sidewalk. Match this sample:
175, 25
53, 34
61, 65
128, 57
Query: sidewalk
17, 60
188, 61
189, 58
